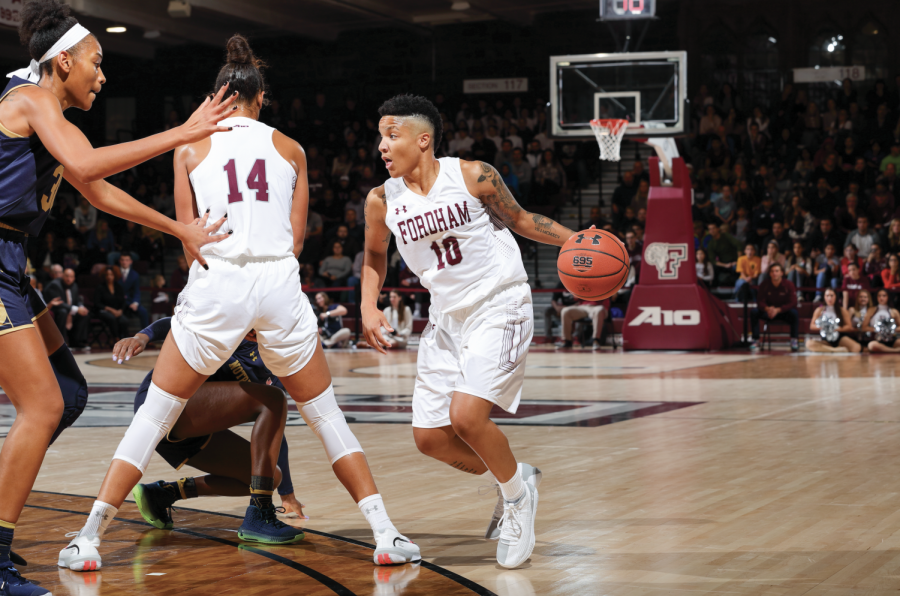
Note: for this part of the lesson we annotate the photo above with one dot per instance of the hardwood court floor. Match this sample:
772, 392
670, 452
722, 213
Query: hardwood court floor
663, 474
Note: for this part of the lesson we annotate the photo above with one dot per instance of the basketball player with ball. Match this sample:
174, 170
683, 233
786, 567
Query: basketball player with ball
452, 222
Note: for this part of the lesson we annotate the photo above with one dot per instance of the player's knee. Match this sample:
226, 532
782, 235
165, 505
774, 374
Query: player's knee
465, 423
430, 442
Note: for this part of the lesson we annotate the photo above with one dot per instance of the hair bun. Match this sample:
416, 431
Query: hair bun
238, 50
42, 15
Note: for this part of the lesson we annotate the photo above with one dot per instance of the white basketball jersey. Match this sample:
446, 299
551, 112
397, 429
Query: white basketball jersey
459, 252
246, 177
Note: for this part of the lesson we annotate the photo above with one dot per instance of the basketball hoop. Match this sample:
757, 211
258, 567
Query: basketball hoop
609, 133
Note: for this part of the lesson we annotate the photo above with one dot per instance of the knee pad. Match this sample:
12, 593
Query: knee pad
153, 420
72, 385
325, 418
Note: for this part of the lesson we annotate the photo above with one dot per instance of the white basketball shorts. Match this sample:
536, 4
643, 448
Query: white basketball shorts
219, 307
478, 350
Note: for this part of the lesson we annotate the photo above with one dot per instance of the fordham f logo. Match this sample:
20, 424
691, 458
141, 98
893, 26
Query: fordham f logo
667, 258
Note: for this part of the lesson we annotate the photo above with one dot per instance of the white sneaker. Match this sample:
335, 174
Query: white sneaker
530, 475
393, 548
81, 554
517, 530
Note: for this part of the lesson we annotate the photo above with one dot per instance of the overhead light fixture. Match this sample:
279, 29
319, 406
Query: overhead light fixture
460, 5
116, 29
152, 34
179, 9
773, 40
830, 47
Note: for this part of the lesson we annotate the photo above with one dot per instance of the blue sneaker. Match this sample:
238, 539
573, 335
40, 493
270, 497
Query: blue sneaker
155, 504
261, 525
13, 584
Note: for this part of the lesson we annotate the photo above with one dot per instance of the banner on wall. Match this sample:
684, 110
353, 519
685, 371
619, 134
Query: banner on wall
10, 11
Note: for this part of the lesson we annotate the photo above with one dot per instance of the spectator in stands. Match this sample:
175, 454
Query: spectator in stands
890, 276
848, 215
523, 171
331, 326
109, 304
773, 256
340, 166
308, 277
336, 268
595, 310
356, 273
741, 225
357, 204
853, 282
862, 237
535, 154
725, 207
799, 267
826, 234
342, 235
131, 284
505, 154
354, 230
161, 305
722, 250
180, 276
881, 205
73, 254
622, 197
764, 216
639, 201
483, 149
803, 224
164, 201
851, 255
400, 318
749, 267
129, 240
705, 271
874, 265
831, 309
315, 227
65, 302
776, 301
831, 173
549, 179
559, 301
511, 180
780, 237
85, 217
408, 279
100, 242
827, 269
860, 174
46, 254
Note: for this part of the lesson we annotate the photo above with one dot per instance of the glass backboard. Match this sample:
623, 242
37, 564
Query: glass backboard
649, 89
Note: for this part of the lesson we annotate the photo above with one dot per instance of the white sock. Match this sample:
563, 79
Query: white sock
514, 488
373, 508
101, 514
489, 477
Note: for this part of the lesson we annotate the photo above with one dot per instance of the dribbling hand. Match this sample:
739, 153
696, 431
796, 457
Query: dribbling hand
205, 121
197, 234
372, 322
126, 348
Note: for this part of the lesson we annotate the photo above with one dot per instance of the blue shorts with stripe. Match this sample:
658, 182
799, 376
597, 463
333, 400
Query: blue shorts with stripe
20, 304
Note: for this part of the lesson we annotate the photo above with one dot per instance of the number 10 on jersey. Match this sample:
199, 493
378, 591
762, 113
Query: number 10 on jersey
451, 247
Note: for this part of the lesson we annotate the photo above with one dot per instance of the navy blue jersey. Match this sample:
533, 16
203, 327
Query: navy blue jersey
29, 177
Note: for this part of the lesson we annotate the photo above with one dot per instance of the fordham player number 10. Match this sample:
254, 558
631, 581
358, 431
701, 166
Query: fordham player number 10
451, 247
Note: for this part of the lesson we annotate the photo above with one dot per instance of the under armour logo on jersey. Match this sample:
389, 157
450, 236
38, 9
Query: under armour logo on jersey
595, 239
397, 210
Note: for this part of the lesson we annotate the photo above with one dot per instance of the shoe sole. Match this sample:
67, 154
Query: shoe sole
493, 532
261, 539
143, 504
533, 537
393, 557
82, 565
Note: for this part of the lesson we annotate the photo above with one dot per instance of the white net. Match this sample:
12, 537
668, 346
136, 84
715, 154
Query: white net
609, 135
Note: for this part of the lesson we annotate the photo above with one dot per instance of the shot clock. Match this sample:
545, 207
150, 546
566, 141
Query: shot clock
622, 10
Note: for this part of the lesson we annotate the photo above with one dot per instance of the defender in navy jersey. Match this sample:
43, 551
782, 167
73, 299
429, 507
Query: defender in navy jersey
38, 149
242, 390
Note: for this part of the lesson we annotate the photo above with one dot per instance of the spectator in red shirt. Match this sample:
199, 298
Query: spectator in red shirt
776, 301
595, 310
850, 256
891, 275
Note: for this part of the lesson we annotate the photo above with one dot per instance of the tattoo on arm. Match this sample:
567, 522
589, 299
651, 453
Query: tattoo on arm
543, 225
500, 202
462, 467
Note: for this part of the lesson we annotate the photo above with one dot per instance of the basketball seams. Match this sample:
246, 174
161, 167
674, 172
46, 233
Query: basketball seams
568, 272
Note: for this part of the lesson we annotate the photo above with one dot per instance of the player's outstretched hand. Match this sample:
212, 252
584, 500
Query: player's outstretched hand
129, 347
292, 507
205, 121
197, 234
372, 322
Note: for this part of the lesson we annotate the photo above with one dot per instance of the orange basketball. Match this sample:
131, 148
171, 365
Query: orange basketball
593, 264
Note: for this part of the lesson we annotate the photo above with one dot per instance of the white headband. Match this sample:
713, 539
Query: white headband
69, 39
